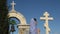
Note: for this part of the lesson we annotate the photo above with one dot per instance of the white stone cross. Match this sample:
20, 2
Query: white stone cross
46, 18
13, 4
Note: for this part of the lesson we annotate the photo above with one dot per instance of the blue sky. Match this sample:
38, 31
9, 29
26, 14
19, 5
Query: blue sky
36, 8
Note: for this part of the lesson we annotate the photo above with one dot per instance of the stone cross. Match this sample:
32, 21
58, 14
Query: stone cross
13, 5
46, 18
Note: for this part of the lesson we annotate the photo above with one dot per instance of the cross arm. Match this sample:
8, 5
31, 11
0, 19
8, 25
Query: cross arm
50, 18
42, 18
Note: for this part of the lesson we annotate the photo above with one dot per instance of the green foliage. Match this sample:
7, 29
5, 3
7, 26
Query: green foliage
12, 22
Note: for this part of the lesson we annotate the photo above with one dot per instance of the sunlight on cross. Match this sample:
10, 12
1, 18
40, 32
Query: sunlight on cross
46, 18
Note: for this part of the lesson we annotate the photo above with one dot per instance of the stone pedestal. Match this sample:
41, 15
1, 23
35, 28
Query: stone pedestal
23, 29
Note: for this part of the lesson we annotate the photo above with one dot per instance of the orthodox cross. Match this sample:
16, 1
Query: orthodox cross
46, 18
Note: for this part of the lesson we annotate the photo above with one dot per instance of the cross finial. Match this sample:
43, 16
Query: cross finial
46, 14
12, 5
